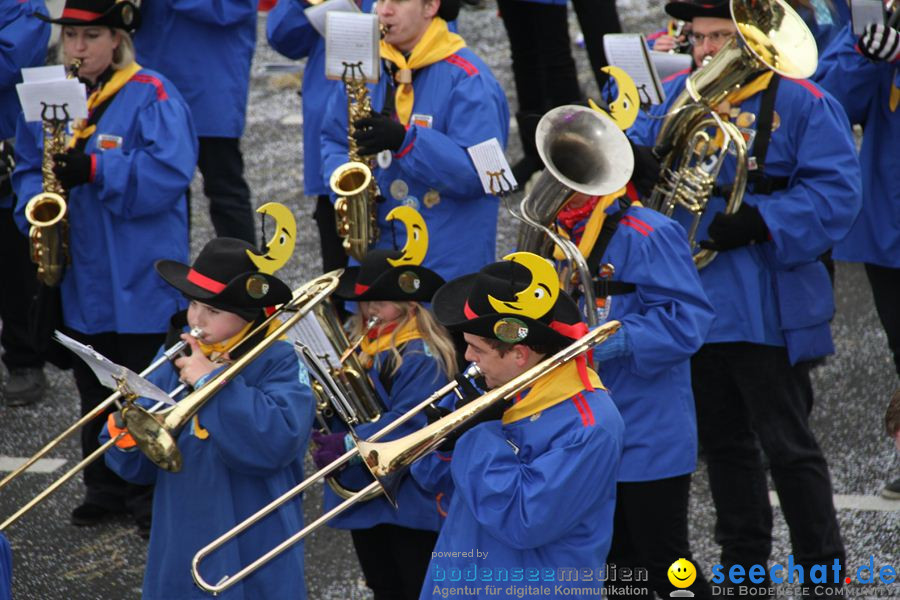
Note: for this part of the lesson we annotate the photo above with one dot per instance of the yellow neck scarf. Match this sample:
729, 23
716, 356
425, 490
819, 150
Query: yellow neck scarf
592, 227
436, 44
745, 91
551, 389
99, 96
409, 331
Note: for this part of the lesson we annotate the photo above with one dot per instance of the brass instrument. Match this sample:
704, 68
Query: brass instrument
583, 152
46, 212
388, 461
155, 434
770, 36
355, 209
115, 398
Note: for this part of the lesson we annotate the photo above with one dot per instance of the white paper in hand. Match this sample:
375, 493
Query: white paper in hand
107, 371
493, 169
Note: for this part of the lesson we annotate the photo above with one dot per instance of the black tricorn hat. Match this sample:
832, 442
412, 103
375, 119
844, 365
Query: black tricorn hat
109, 13
223, 276
687, 10
465, 304
377, 279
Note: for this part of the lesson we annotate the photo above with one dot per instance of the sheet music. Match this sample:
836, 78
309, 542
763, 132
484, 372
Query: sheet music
317, 12
493, 169
351, 39
49, 86
863, 12
668, 64
628, 51
107, 371
310, 332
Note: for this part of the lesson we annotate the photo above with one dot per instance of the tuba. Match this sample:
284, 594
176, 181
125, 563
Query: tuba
583, 152
770, 36
46, 212
355, 210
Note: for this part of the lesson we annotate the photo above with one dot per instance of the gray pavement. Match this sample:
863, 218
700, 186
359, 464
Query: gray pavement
53, 559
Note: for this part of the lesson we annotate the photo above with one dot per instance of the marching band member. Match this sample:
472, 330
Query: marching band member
5, 569
864, 75
243, 449
23, 43
656, 294
773, 302
411, 356
435, 98
205, 47
291, 34
126, 172
534, 481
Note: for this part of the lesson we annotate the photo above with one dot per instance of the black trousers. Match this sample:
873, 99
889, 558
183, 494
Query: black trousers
542, 62
885, 282
105, 488
749, 397
394, 559
330, 243
650, 531
597, 18
222, 166
17, 273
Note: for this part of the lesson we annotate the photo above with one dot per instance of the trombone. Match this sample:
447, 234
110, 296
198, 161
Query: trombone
388, 461
114, 398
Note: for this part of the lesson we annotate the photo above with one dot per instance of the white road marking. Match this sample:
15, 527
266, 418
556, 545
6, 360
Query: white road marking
855, 502
44, 465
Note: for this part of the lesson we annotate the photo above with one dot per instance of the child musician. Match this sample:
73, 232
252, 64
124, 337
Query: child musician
245, 446
410, 355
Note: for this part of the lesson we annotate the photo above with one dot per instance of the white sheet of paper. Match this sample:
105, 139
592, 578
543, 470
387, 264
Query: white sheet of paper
864, 12
351, 38
628, 51
107, 371
38, 74
61, 92
316, 13
310, 333
668, 64
493, 169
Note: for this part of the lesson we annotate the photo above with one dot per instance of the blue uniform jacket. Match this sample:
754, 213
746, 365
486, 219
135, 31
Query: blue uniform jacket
467, 107
23, 43
291, 34
258, 427
418, 377
5, 569
132, 214
863, 87
205, 47
535, 494
666, 319
777, 293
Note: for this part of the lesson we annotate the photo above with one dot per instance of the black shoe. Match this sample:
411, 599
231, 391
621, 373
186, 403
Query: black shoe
143, 526
892, 490
25, 386
89, 514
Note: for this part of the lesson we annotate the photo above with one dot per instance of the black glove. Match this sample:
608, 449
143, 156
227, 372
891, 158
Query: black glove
72, 168
744, 227
646, 169
378, 132
7, 166
493, 413
880, 43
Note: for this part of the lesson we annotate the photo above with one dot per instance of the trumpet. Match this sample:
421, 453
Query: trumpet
388, 461
114, 398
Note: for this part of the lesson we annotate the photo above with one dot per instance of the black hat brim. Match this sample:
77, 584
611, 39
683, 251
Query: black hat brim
114, 17
233, 295
386, 287
686, 11
449, 303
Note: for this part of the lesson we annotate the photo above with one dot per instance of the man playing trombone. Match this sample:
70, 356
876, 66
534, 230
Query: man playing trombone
535, 479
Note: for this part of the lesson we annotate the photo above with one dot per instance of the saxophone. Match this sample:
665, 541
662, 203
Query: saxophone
353, 182
46, 212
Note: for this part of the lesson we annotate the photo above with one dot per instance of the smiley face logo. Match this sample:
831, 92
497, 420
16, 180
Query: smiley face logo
682, 573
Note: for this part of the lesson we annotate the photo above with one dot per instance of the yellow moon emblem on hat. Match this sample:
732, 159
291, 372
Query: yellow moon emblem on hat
280, 248
624, 109
538, 298
416, 236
